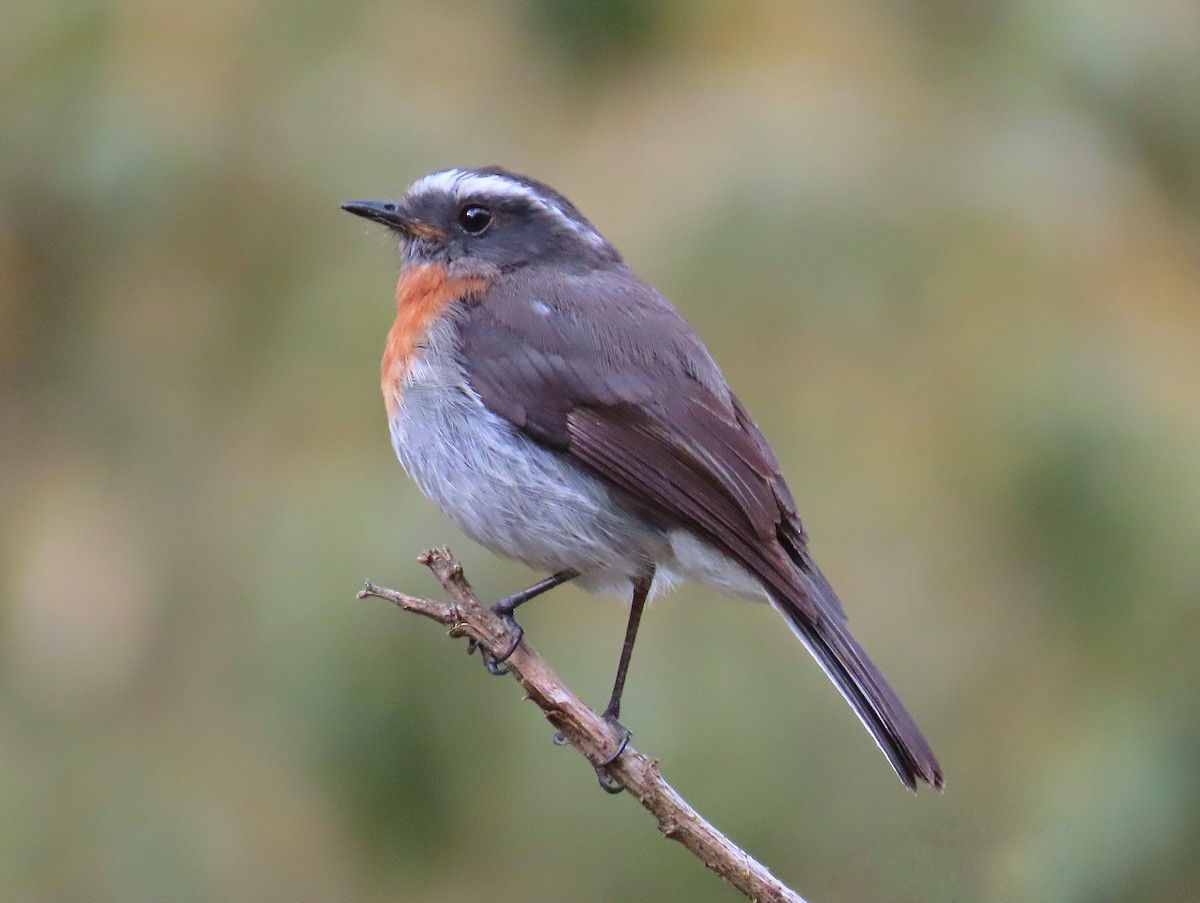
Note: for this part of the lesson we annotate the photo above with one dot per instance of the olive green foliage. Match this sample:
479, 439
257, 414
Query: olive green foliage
946, 252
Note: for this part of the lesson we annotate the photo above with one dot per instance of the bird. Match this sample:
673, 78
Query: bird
561, 412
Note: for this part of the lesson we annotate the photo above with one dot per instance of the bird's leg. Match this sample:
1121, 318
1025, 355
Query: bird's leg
641, 590
505, 608
612, 712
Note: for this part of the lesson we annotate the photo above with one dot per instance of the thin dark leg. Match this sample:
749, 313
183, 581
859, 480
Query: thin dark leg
505, 608
641, 589
509, 604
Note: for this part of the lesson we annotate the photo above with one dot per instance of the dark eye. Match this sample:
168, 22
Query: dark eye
473, 219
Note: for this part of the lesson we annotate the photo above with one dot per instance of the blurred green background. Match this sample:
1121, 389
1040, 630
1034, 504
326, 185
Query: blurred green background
948, 253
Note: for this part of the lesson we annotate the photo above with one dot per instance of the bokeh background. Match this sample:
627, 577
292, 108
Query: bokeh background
949, 254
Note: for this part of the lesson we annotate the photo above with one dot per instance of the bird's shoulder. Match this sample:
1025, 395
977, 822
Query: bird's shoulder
599, 366
543, 341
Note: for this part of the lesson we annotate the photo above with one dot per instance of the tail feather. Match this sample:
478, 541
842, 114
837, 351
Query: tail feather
861, 684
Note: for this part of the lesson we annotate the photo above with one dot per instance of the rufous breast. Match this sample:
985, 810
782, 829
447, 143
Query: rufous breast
423, 293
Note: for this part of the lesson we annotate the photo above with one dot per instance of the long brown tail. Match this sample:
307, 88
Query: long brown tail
855, 675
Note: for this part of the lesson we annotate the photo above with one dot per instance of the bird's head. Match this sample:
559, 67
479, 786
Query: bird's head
488, 221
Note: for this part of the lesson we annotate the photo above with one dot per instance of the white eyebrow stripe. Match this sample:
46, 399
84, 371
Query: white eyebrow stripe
446, 181
464, 182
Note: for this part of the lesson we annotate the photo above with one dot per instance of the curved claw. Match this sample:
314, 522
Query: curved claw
625, 734
494, 669
494, 664
608, 783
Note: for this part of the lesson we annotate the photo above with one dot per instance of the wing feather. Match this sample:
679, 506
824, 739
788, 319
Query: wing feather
611, 375
636, 399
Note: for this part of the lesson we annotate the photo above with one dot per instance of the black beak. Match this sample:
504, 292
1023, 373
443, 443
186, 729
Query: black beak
382, 212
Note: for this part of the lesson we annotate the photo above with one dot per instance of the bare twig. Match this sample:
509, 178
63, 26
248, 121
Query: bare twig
587, 731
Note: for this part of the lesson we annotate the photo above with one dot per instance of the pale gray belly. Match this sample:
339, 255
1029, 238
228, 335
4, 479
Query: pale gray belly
512, 495
531, 503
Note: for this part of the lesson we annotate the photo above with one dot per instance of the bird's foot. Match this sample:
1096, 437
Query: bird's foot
608, 783
495, 663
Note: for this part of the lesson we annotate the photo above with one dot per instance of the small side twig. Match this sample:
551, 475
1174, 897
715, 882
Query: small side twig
585, 730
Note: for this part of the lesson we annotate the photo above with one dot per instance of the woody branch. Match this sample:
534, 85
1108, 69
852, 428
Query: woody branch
585, 730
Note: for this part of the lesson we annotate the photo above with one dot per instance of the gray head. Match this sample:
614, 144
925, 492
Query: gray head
489, 218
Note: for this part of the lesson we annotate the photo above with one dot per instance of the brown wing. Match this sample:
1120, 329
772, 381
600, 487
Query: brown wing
600, 367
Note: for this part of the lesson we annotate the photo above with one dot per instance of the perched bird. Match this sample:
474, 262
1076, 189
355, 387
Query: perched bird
561, 412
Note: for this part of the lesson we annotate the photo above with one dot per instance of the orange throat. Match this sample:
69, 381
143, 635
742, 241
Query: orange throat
423, 294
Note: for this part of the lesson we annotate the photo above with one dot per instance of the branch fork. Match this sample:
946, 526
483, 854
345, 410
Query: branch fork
582, 728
